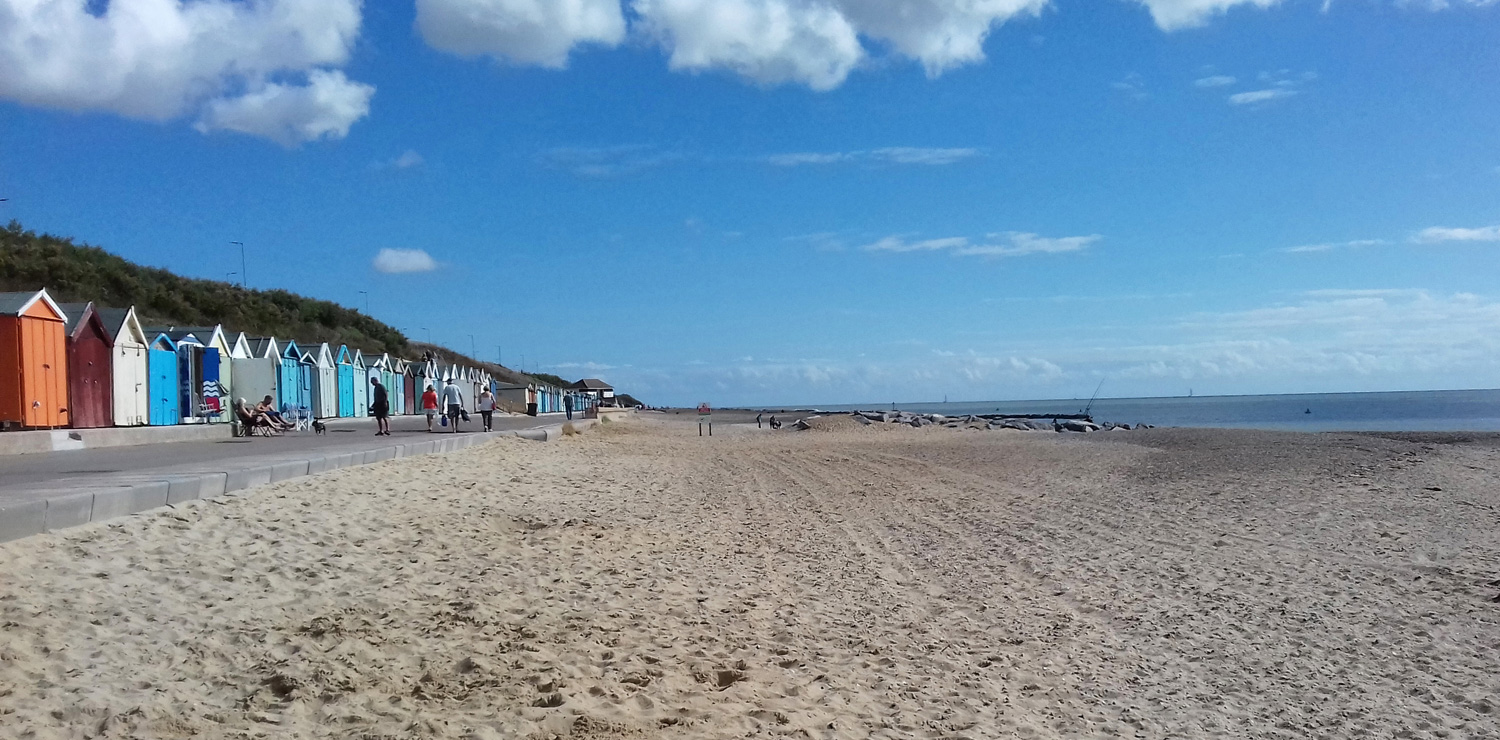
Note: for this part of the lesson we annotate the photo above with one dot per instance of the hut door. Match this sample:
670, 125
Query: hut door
212, 397
163, 387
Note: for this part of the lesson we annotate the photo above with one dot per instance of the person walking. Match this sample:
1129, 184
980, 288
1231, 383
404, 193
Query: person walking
486, 404
453, 401
568, 406
429, 405
380, 408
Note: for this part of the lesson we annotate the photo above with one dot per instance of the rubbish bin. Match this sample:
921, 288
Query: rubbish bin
531, 409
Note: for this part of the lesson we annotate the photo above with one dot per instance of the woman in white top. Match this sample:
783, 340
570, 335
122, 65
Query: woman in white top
486, 407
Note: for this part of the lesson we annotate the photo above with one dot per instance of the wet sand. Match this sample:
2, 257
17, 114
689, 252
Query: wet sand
640, 581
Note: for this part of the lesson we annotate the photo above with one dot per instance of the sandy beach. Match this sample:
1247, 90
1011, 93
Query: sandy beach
641, 581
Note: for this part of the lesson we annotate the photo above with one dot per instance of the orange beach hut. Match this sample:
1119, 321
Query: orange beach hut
33, 361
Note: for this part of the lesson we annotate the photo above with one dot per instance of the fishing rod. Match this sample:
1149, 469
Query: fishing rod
1093, 398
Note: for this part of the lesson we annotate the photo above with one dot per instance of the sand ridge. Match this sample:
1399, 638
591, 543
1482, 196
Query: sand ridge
640, 581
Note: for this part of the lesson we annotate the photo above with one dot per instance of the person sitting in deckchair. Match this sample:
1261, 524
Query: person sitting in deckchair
252, 420
267, 408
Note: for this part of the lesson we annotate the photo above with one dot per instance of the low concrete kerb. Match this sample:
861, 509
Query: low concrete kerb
66, 510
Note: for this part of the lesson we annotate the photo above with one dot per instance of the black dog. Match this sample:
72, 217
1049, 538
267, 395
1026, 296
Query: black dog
319, 427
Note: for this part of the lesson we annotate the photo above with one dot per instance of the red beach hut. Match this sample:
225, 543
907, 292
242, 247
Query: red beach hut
33, 361
90, 367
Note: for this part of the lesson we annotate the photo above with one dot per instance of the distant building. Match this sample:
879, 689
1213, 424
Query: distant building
602, 392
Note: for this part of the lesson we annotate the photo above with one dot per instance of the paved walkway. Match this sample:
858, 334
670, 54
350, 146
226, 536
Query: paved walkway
47, 491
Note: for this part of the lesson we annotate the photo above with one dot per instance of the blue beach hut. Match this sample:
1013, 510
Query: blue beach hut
361, 386
163, 406
344, 363
293, 380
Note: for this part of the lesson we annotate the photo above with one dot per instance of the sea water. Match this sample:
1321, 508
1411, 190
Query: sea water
1409, 411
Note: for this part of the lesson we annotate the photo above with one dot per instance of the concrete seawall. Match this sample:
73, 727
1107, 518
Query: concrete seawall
59, 440
131, 494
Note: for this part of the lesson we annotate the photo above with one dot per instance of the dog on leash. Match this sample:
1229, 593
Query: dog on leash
319, 427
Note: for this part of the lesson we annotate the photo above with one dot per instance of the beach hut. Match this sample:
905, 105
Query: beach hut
163, 405
293, 380
200, 395
33, 361
398, 386
128, 367
344, 366
361, 385
325, 383
256, 374
219, 391
410, 372
307, 377
90, 368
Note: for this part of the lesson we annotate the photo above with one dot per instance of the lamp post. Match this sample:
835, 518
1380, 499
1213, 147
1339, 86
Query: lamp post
366, 294
429, 334
473, 348
228, 275
243, 272
499, 355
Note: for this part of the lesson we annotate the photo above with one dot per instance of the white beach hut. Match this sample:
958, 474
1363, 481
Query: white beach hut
131, 404
325, 383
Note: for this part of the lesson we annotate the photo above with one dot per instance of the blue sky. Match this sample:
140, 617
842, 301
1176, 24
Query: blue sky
806, 201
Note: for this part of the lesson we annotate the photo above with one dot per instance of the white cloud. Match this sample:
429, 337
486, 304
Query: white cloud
918, 155
941, 34
160, 59
889, 155
795, 159
1439, 234
768, 41
607, 162
1331, 246
817, 42
407, 160
539, 32
1175, 15
1018, 244
291, 114
899, 244
400, 261
1006, 244
1215, 81
1133, 85
1260, 96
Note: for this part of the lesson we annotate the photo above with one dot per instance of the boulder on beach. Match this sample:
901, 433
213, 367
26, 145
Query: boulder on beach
1075, 425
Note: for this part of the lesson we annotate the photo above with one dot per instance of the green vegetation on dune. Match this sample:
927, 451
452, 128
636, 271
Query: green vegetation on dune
73, 272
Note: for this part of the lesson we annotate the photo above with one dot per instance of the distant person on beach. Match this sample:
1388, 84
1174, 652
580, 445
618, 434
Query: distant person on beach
774, 423
380, 407
429, 405
568, 406
486, 405
757, 420
453, 401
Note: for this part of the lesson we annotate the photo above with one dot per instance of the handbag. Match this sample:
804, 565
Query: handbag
443, 421
464, 414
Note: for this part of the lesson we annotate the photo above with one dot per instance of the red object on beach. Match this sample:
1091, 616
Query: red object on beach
704, 410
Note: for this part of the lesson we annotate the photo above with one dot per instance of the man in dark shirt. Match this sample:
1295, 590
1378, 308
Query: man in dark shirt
380, 406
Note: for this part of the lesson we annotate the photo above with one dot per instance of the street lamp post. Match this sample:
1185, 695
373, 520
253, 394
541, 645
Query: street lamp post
244, 274
228, 275
429, 334
366, 294
473, 348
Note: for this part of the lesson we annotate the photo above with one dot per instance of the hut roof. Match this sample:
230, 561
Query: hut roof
15, 304
74, 313
593, 384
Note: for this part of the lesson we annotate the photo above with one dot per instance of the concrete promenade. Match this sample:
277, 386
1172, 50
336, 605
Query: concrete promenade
47, 491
